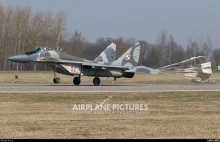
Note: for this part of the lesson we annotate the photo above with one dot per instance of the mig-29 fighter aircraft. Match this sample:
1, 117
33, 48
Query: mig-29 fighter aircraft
71, 65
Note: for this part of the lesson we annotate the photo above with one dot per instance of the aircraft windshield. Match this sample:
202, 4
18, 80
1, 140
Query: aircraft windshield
39, 49
33, 51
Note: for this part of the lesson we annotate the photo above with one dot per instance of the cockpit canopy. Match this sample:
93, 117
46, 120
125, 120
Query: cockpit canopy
36, 50
46, 49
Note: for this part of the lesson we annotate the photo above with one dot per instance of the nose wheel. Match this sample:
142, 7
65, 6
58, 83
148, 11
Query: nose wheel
76, 80
56, 80
96, 81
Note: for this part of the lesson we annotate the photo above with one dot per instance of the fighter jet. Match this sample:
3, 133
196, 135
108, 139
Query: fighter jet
63, 63
107, 57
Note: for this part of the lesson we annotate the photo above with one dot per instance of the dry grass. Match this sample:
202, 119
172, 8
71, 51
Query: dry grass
170, 115
47, 77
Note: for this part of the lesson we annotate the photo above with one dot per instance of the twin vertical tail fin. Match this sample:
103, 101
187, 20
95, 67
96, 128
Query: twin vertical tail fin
130, 58
108, 55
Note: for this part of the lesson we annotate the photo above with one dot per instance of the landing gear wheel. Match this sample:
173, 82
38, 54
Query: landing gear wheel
96, 81
76, 80
56, 80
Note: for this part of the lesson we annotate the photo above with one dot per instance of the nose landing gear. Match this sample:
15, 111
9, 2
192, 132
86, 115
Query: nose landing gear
76, 80
56, 80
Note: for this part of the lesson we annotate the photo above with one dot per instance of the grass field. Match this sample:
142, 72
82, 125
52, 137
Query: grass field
47, 77
170, 115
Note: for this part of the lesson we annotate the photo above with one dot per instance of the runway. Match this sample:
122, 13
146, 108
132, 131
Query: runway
68, 88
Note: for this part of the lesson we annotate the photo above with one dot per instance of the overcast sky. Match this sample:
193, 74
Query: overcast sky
142, 19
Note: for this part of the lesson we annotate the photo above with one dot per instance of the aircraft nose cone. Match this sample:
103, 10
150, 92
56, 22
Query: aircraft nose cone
22, 58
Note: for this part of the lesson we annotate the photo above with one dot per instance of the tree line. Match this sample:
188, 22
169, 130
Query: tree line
22, 30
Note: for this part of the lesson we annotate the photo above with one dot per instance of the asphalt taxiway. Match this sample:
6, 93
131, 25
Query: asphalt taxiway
65, 88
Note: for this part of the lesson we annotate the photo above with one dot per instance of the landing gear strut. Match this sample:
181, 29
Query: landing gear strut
76, 80
56, 80
96, 81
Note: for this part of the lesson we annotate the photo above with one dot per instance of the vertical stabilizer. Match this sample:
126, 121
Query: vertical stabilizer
130, 58
108, 55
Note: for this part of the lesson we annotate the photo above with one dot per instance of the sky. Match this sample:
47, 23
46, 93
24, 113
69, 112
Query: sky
141, 19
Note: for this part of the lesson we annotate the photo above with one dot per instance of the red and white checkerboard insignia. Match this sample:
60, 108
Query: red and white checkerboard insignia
73, 69
127, 57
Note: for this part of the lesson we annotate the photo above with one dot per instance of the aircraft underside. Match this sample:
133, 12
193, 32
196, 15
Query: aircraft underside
78, 70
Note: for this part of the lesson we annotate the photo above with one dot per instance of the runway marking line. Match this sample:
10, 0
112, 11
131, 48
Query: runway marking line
108, 91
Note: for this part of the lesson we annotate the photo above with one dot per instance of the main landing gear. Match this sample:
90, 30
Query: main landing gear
56, 80
96, 81
76, 80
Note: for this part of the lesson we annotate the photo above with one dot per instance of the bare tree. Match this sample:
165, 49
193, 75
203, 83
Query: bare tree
37, 27
48, 25
209, 46
189, 49
37, 30
18, 23
77, 43
170, 47
121, 46
195, 48
216, 56
7, 28
145, 51
131, 41
162, 41
2, 19
60, 28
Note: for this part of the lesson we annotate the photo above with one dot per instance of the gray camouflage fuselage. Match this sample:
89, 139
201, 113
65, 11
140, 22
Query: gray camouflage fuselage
67, 64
